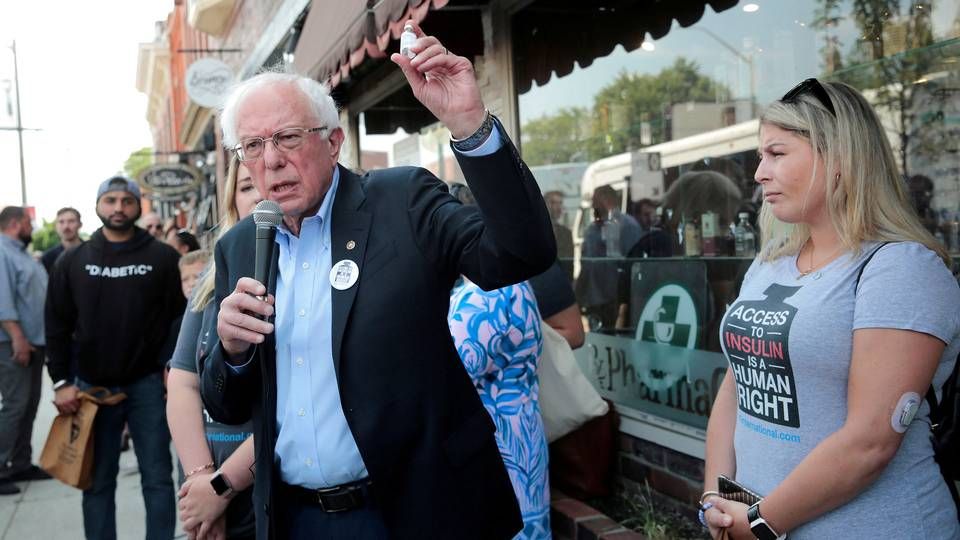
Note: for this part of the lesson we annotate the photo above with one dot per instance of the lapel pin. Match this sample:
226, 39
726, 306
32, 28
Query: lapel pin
351, 244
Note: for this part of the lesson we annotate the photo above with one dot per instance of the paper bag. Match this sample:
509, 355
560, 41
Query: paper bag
68, 452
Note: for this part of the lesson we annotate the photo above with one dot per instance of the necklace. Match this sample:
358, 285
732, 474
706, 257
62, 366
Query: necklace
811, 267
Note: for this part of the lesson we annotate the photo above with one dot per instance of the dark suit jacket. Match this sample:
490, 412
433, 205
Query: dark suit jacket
424, 436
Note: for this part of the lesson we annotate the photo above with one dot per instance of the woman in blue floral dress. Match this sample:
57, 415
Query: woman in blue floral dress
497, 334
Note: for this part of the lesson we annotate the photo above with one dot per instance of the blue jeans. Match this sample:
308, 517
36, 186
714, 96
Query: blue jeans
144, 411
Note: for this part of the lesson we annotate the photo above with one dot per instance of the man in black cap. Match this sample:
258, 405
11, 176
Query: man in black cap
115, 297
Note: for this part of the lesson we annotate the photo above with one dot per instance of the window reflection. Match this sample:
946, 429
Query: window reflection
666, 136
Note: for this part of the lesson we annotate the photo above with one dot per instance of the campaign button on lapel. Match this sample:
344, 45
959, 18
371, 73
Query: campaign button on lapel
344, 274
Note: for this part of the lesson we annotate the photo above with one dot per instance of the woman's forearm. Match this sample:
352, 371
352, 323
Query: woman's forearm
836, 471
238, 468
720, 455
185, 418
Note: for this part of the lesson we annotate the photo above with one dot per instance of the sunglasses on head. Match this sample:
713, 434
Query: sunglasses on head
814, 88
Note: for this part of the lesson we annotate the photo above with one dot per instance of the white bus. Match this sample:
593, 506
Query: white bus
649, 172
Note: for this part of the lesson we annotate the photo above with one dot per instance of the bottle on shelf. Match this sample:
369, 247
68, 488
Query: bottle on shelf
692, 245
729, 245
744, 237
710, 227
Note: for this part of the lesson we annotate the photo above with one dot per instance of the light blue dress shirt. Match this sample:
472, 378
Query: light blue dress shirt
23, 291
315, 447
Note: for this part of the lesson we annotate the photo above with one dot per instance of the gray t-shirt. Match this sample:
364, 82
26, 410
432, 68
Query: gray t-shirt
197, 335
789, 339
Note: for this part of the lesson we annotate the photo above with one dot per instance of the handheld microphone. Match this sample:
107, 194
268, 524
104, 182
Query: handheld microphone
267, 215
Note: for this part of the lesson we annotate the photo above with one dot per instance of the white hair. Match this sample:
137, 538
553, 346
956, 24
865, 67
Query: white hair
316, 93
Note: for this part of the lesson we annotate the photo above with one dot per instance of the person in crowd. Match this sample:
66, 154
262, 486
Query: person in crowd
859, 320
153, 224
169, 231
497, 334
23, 288
645, 212
353, 442
920, 188
68, 229
182, 240
561, 233
606, 210
500, 344
191, 266
556, 302
207, 448
609, 237
114, 298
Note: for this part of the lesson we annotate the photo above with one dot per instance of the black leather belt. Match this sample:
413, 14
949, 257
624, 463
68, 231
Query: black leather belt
342, 498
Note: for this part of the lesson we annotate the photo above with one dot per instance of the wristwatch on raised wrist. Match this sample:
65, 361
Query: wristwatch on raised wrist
480, 136
221, 486
759, 526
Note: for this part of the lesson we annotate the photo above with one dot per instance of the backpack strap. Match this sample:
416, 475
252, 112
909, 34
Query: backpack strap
931, 393
863, 265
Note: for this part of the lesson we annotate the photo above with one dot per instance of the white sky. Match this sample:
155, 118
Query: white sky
77, 71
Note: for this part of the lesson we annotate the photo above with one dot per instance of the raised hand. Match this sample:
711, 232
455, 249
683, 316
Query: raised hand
445, 83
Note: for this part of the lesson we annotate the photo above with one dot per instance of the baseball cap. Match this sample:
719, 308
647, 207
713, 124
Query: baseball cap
119, 183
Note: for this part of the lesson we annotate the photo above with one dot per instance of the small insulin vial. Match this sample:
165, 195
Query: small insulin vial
406, 41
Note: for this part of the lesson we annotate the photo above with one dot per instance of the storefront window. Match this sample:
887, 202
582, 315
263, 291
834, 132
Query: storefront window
653, 148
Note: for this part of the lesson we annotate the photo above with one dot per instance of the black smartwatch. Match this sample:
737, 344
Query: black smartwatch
759, 526
220, 484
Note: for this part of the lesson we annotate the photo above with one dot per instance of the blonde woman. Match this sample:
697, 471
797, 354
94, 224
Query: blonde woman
212, 455
844, 321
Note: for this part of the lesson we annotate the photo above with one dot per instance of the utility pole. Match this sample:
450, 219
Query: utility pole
19, 126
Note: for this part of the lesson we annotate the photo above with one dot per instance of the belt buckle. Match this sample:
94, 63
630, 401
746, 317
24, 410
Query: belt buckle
331, 491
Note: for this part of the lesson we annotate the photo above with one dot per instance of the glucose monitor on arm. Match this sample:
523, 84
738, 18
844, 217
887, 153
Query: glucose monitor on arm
904, 412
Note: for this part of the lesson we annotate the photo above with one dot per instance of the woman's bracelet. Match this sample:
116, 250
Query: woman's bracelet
701, 514
196, 470
710, 493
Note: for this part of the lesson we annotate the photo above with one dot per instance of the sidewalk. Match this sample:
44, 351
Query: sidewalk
51, 510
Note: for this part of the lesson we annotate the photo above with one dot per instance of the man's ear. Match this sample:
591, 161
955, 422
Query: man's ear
336, 142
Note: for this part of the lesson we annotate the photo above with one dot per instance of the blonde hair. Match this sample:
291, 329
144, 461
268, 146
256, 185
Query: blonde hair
867, 200
230, 216
194, 257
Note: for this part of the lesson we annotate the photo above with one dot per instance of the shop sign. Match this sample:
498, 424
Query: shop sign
208, 81
170, 179
660, 371
675, 383
669, 318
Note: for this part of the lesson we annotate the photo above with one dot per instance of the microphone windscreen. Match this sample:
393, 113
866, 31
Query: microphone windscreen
267, 213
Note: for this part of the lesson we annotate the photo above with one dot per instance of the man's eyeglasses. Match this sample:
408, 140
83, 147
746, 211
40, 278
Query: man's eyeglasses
251, 148
813, 87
